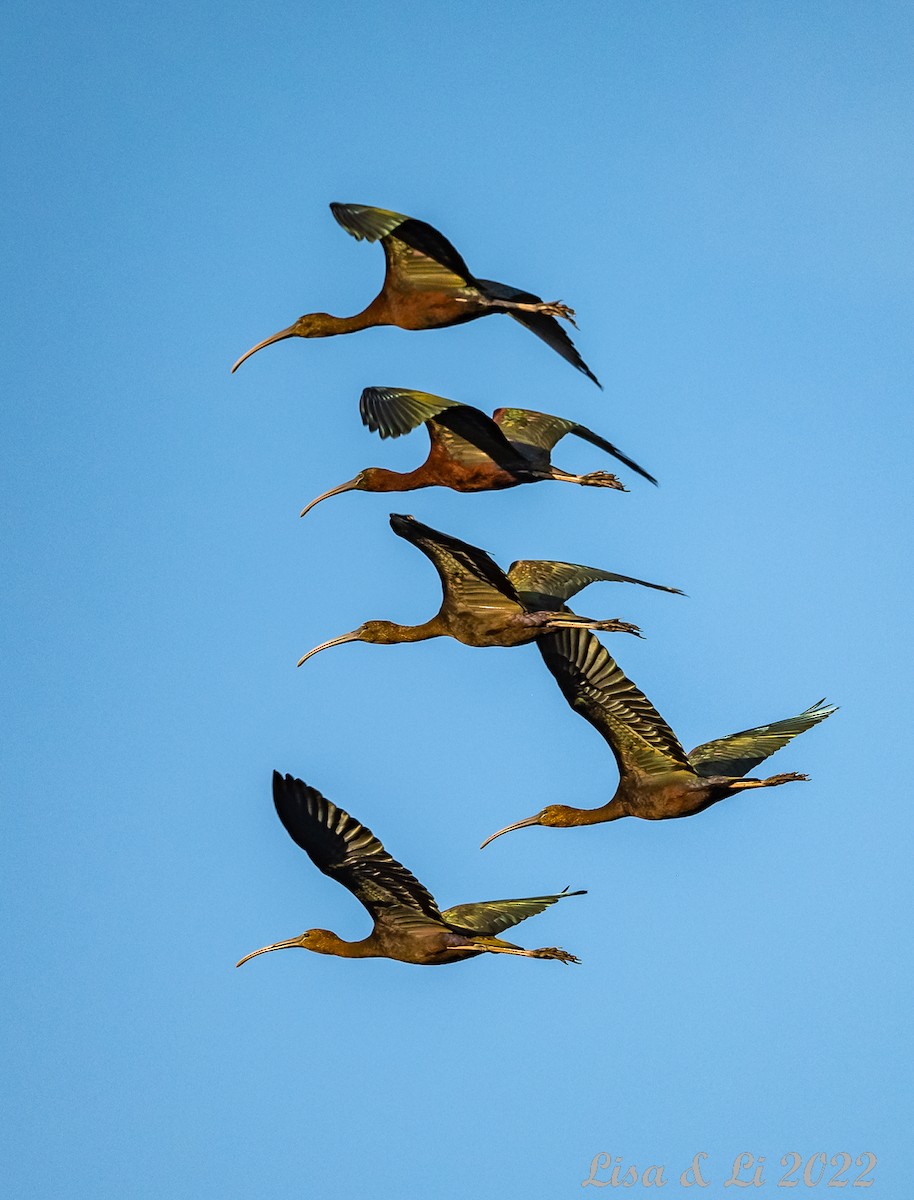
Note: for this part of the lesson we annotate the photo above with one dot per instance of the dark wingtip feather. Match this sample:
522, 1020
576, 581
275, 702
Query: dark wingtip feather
581, 365
601, 443
400, 522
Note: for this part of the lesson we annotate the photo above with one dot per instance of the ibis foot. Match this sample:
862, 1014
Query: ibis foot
555, 952
616, 626
602, 479
738, 785
556, 309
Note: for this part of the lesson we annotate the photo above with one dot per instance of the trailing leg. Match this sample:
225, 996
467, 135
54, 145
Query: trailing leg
592, 479
495, 947
739, 785
553, 308
554, 621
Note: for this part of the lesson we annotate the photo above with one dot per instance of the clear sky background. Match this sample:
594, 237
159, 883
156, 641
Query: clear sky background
724, 194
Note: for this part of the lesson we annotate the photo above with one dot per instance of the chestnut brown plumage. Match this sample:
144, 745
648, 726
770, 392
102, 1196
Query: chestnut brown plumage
657, 779
429, 286
483, 606
408, 925
471, 452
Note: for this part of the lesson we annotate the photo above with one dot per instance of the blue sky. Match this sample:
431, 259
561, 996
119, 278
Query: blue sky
724, 194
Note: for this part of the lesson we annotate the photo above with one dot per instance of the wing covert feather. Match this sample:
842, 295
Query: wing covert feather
536, 430
491, 917
424, 240
739, 753
472, 439
545, 584
541, 432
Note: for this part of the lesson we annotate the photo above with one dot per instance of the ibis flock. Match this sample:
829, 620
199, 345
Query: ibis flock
428, 285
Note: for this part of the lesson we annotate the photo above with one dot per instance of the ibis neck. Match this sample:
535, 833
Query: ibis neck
379, 479
596, 816
329, 943
362, 320
392, 632
368, 318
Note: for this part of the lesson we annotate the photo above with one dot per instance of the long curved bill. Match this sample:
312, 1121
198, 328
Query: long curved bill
277, 337
286, 945
509, 828
347, 637
344, 487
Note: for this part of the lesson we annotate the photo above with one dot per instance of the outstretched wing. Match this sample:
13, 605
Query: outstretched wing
543, 584
741, 752
345, 850
537, 433
418, 256
469, 577
391, 412
491, 917
544, 327
467, 435
595, 687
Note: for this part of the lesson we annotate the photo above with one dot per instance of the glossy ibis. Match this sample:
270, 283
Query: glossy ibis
408, 925
429, 286
657, 779
471, 452
482, 606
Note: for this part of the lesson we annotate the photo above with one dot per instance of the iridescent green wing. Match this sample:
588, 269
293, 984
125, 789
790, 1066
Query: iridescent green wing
348, 852
739, 753
362, 221
471, 438
534, 433
470, 580
537, 433
418, 256
546, 585
547, 328
595, 687
467, 435
391, 412
490, 917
